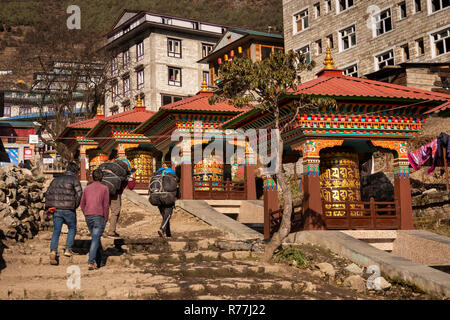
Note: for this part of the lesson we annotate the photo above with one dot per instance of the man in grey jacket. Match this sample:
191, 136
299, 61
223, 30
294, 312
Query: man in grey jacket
63, 197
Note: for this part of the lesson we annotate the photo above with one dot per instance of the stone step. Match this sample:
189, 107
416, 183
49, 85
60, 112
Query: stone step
224, 203
228, 210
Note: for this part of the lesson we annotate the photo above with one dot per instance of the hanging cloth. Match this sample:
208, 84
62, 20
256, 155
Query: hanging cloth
424, 156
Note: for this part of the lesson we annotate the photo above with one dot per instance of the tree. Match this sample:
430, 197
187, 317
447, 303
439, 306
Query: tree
263, 85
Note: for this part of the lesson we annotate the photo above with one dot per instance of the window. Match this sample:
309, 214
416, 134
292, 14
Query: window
317, 10
114, 92
383, 22
174, 48
265, 52
305, 51
140, 51
195, 25
402, 10
344, 5
384, 59
7, 111
405, 52
166, 20
174, 77
352, 70
206, 49
206, 77
328, 6
114, 65
126, 58
140, 79
417, 5
420, 47
318, 47
301, 20
126, 86
114, 110
168, 99
437, 5
441, 42
347, 38
330, 41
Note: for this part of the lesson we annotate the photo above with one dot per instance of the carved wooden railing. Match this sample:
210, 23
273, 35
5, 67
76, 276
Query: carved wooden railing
219, 190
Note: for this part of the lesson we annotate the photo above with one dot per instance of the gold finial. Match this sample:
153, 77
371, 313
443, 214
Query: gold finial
329, 63
139, 102
99, 110
204, 84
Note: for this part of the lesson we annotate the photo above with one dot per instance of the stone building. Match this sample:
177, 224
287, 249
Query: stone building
366, 36
157, 57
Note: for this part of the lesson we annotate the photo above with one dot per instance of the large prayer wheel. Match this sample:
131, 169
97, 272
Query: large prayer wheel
142, 161
339, 181
209, 169
96, 158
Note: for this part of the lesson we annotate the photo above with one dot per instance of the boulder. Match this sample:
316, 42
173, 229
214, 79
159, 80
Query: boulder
11, 182
10, 222
380, 284
429, 191
353, 268
356, 283
326, 268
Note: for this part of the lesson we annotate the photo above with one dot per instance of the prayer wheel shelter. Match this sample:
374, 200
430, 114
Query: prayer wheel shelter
335, 141
198, 122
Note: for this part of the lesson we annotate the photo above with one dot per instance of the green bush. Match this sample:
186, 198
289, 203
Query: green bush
290, 255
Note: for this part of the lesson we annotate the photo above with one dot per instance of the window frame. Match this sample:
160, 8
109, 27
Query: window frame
115, 66
432, 34
140, 85
126, 53
317, 10
400, 10
140, 50
174, 82
209, 51
356, 63
295, 21
420, 47
375, 30
430, 7
415, 6
403, 51
377, 63
114, 92
126, 80
341, 38
338, 7
174, 54
309, 51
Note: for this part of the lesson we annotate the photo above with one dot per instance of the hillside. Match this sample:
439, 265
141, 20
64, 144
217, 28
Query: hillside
21, 23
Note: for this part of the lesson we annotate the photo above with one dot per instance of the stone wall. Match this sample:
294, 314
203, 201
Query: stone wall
22, 203
432, 203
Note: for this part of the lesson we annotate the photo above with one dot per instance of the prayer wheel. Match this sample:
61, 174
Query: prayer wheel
96, 158
209, 169
142, 161
340, 181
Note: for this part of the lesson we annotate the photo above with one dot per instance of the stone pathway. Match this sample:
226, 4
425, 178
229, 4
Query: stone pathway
199, 262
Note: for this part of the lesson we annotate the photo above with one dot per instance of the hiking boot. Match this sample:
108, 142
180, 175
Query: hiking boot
53, 258
92, 267
161, 233
69, 253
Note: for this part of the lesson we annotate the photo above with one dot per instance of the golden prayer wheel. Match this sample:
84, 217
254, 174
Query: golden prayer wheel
142, 161
96, 158
340, 181
209, 169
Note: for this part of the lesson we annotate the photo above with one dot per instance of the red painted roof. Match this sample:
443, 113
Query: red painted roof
85, 124
334, 83
138, 115
200, 102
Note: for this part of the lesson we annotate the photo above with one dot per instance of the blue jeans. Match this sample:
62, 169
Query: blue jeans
60, 217
96, 225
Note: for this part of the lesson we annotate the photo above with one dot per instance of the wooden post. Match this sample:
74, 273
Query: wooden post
402, 193
446, 168
312, 203
270, 202
372, 213
250, 182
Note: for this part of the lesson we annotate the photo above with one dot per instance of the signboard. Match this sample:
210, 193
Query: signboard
33, 139
13, 154
47, 160
28, 153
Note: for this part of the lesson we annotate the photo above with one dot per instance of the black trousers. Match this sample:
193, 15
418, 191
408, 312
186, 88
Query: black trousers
166, 213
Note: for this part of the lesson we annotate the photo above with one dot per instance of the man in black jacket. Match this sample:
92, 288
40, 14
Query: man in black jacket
64, 195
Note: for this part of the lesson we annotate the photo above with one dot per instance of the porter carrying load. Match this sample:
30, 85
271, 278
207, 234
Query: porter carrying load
115, 174
163, 188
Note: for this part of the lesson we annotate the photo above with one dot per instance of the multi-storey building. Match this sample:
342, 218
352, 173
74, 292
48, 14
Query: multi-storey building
366, 36
157, 57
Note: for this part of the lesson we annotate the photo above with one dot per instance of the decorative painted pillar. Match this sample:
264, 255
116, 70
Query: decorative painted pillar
186, 181
312, 202
402, 193
270, 202
249, 175
83, 162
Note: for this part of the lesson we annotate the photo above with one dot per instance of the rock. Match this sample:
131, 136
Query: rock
11, 182
310, 287
429, 191
356, 283
380, 284
326, 268
10, 222
317, 273
353, 268
21, 212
